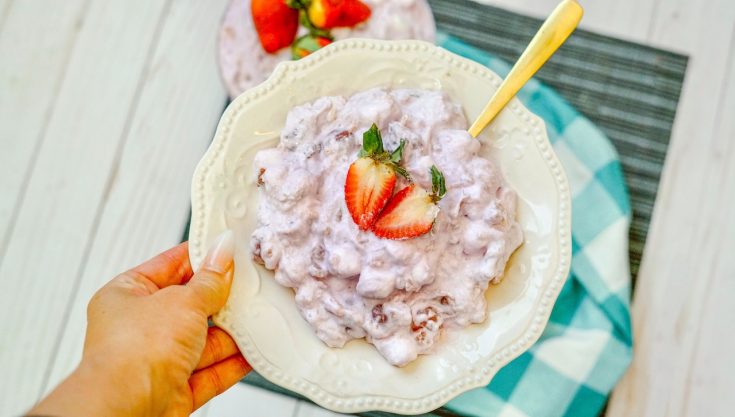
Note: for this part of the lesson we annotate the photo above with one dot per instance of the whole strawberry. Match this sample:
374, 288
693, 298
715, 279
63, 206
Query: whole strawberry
275, 22
371, 179
412, 211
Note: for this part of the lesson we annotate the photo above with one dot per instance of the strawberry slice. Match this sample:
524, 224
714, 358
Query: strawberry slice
368, 187
412, 211
275, 22
371, 179
328, 14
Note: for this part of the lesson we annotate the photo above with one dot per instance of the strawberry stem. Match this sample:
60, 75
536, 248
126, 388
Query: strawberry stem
401, 171
298, 4
396, 155
438, 187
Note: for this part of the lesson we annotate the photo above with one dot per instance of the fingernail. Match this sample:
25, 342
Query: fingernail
221, 251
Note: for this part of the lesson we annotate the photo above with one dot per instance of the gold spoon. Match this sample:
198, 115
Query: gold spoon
555, 30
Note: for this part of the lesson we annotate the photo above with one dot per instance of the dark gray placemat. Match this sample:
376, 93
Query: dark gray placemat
628, 90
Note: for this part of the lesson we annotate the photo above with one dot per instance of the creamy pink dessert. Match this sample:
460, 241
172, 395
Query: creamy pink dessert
400, 295
244, 63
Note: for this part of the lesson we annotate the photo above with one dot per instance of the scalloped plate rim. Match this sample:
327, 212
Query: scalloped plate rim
500, 357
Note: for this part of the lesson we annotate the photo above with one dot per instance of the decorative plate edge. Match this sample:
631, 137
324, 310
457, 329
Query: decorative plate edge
480, 375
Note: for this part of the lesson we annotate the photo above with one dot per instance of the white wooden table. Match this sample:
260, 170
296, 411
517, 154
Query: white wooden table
105, 107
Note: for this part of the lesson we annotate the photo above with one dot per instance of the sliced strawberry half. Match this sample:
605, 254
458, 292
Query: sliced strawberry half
368, 187
371, 179
412, 211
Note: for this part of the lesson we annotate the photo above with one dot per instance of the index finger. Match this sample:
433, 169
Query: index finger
168, 268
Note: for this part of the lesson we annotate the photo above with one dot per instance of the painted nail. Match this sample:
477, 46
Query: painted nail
221, 251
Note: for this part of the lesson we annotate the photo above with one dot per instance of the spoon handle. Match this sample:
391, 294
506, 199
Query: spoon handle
552, 34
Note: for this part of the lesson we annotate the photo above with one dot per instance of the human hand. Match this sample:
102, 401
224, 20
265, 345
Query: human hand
148, 350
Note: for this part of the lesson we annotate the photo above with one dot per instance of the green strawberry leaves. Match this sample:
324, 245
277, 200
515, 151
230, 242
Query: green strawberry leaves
438, 187
372, 147
372, 142
307, 44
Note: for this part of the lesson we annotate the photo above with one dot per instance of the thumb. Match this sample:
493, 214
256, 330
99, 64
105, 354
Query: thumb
210, 286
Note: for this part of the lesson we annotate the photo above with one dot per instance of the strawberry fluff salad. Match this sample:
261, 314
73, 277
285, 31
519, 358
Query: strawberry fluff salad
380, 213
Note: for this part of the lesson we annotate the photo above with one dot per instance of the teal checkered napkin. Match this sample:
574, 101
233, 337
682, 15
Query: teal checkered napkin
587, 344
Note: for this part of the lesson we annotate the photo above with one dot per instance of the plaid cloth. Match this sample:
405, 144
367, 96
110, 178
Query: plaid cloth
587, 344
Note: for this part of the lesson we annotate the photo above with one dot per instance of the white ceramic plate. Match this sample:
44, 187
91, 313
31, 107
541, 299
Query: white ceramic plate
262, 316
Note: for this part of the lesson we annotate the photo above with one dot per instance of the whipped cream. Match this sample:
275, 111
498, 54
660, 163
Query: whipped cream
400, 295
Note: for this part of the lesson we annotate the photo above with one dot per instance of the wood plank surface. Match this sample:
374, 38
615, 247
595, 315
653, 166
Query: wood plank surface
680, 315
719, 315
33, 61
202, 412
148, 202
245, 401
714, 343
4, 11
60, 210
307, 409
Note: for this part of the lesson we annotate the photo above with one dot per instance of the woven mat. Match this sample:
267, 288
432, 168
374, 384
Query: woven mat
628, 90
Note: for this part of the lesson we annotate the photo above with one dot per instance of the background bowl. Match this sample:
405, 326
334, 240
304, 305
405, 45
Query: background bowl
262, 316
243, 63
